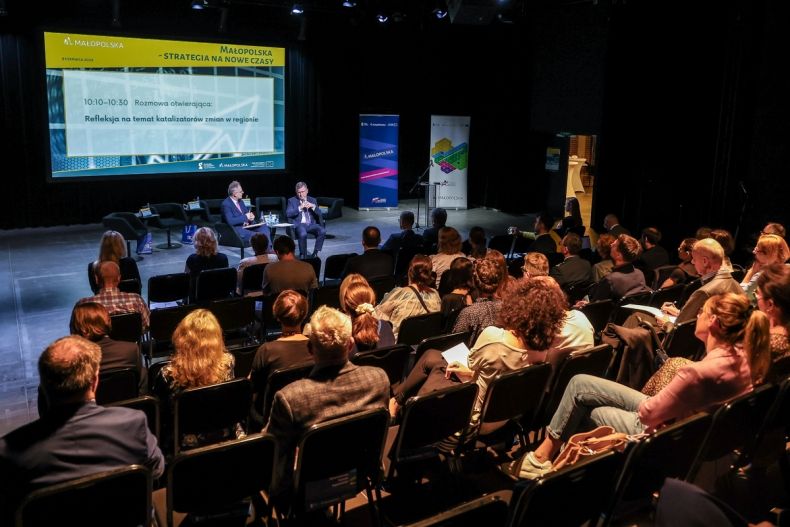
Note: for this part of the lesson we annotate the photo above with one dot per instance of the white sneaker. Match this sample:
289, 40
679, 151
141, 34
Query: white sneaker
531, 468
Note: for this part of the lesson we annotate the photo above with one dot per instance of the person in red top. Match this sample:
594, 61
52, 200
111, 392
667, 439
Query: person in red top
736, 341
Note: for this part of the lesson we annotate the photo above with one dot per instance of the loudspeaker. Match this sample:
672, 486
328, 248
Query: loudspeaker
472, 12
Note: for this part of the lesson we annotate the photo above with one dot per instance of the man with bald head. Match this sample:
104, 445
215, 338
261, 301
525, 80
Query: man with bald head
112, 298
707, 256
612, 225
75, 437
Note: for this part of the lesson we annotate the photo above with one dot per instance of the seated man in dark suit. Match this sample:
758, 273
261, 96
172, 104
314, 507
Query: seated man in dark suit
624, 279
542, 242
76, 437
373, 262
573, 269
613, 227
405, 238
335, 388
653, 255
304, 213
236, 214
430, 235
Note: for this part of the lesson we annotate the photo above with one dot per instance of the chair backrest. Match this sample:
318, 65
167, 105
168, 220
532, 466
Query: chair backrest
391, 359
315, 261
440, 342
334, 206
243, 356
327, 295
572, 495
403, 259
117, 384
338, 458
669, 294
173, 211
578, 290
668, 453
592, 361
126, 326
210, 408
775, 425
275, 204
228, 237
660, 274
153, 372
430, 418
162, 323
382, 285
119, 497
333, 268
252, 278
172, 287
280, 378
212, 480
414, 329
130, 285
215, 284
681, 341
490, 509
620, 314
149, 405
234, 313
516, 394
598, 313
735, 424
127, 224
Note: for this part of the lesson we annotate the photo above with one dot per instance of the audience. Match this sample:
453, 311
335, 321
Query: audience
205, 257
603, 248
485, 309
373, 262
773, 299
430, 235
288, 272
522, 335
770, 249
685, 271
504, 275
542, 241
774, 228
358, 301
572, 222
612, 225
535, 264
290, 348
573, 269
736, 343
458, 285
475, 246
260, 246
113, 249
405, 238
624, 279
653, 255
199, 359
727, 243
335, 388
91, 321
113, 299
76, 437
417, 298
449, 250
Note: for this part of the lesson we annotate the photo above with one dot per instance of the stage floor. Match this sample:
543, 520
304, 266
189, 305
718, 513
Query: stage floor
45, 272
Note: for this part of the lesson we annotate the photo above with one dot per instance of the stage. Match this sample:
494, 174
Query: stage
45, 272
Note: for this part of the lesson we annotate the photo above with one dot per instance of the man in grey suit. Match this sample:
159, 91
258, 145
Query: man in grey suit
75, 437
335, 388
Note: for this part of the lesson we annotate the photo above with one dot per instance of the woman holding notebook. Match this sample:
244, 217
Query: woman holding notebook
522, 336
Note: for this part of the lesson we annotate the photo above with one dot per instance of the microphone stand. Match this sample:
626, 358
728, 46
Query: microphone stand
415, 187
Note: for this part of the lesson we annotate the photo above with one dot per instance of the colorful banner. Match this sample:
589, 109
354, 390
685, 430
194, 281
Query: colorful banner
378, 161
450, 158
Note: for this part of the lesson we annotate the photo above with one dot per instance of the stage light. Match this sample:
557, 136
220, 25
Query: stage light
200, 4
349, 3
382, 18
439, 13
297, 9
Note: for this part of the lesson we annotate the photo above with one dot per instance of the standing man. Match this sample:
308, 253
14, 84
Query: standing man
304, 213
75, 437
236, 214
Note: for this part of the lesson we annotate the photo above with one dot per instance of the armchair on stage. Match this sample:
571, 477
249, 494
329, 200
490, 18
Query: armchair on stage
331, 208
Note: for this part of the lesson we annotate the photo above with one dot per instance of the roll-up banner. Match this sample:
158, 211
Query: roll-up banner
450, 157
378, 161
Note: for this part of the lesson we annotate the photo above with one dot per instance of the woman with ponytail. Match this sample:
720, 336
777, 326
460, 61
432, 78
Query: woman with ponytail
358, 301
737, 356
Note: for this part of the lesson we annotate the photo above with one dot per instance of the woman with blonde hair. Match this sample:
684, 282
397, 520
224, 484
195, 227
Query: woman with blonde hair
770, 249
112, 248
358, 301
206, 256
199, 359
737, 356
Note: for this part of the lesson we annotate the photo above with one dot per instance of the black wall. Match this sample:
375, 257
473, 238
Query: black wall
688, 103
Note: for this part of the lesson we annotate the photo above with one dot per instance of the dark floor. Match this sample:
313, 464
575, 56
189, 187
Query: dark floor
46, 273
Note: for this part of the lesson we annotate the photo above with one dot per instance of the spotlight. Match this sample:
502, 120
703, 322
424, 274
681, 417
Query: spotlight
382, 18
349, 3
439, 13
297, 9
200, 4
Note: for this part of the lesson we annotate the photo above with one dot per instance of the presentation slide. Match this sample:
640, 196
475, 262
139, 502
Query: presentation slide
123, 106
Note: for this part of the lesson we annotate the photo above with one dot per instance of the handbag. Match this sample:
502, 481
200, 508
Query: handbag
596, 441
188, 233
145, 244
